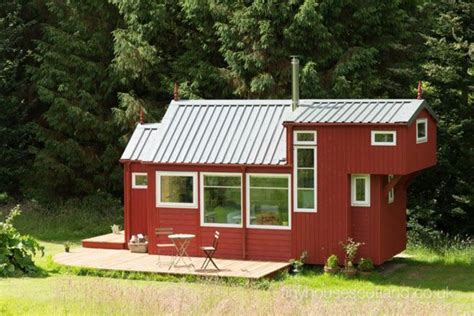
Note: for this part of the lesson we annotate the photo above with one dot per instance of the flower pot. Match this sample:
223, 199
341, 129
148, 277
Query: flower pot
331, 270
349, 272
66, 249
138, 247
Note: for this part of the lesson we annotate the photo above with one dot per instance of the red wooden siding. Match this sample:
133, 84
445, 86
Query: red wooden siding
366, 222
342, 150
422, 155
393, 222
138, 222
268, 244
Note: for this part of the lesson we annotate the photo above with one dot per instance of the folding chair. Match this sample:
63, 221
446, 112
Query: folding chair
163, 232
209, 252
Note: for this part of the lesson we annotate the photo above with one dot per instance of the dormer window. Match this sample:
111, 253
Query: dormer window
421, 130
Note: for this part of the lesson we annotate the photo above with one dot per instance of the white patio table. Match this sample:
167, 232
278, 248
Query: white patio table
181, 243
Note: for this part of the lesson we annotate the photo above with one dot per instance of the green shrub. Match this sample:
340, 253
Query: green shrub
16, 251
332, 262
297, 264
366, 264
350, 247
4, 198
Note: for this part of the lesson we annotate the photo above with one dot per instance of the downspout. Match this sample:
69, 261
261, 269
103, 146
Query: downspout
127, 201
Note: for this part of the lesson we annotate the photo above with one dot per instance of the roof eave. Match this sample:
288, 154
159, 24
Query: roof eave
423, 105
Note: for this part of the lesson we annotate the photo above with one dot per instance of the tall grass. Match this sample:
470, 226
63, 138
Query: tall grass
69, 221
443, 247
105, 297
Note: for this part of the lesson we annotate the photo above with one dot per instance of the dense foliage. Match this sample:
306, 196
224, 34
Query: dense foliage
16, 251
443, 197
75, 74
18, 21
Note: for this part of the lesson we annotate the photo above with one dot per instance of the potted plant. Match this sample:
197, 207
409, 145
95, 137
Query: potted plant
350, 248
366, 266
67, 246
297, 264
138, 243
332, 265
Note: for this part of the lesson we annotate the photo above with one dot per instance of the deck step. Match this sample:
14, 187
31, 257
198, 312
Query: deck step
107, 241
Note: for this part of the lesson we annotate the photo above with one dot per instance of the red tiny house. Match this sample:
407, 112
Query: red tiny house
342, 149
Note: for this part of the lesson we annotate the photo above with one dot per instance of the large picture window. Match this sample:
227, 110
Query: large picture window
221, 199
176, 189
268, 201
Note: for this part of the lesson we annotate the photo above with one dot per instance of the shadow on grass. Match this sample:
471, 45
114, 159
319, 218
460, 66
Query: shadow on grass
436, 275
433, 275
39, 273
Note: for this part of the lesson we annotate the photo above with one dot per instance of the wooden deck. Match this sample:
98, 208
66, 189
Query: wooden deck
107, 241
124, 260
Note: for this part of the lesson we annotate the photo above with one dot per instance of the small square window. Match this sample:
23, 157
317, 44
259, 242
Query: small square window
360, 187
305, 137
391, 193
421, 131
384, 138
139, 180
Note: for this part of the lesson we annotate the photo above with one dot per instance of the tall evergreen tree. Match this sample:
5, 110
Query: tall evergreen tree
443, 197
348, 48
18, 28
78, 151
163, 42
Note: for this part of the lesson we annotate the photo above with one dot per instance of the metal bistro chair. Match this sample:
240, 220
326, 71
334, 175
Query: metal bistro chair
162, 232
209, 252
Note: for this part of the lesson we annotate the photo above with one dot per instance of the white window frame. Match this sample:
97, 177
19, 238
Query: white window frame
354, 202
268, 175
420, 140
391, 192
221, 174
134, 183
375, 143
159, 174
295, 138
295, 182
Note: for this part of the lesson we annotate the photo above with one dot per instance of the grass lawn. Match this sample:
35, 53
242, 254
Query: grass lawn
425, 283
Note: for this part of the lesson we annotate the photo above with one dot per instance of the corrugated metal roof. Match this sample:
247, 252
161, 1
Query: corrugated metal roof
249, 131
358, 111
